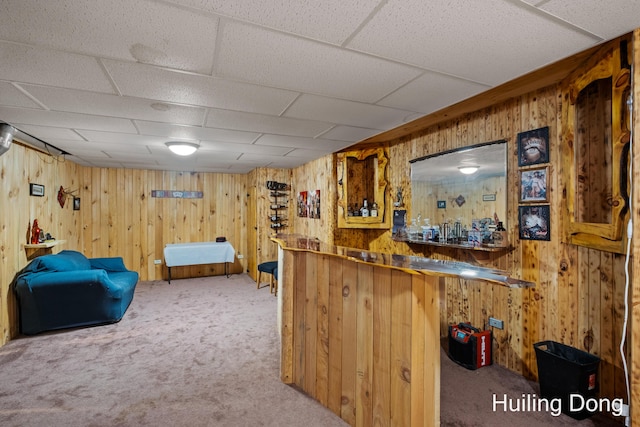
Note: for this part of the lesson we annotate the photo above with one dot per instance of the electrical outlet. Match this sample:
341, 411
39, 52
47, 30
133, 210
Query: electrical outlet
157, 261
240, 256
496, 323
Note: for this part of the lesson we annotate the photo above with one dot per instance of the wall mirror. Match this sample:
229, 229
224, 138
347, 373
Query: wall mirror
443, 190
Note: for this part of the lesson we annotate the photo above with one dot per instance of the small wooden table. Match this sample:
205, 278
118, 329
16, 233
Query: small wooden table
182, 254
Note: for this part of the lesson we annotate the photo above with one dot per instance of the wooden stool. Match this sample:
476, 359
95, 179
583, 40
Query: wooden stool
268, 267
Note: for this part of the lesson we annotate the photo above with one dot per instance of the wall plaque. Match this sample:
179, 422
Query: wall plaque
173, 194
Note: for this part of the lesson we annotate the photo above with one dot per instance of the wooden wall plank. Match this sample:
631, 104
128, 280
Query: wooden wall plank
311, 325
400, 348
322, 343
334, 398
349, 339
288, 329
382, 348
364, 346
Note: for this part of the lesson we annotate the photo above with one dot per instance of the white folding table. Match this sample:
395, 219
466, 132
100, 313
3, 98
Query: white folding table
181, 254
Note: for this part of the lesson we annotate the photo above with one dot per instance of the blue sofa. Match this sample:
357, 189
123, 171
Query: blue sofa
67, 290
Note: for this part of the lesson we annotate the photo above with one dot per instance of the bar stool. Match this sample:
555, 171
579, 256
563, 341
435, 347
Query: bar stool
269, 267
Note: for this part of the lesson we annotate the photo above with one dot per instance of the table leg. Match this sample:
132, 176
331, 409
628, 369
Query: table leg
169, 268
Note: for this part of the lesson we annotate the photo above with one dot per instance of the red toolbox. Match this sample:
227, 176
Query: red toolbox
469, 346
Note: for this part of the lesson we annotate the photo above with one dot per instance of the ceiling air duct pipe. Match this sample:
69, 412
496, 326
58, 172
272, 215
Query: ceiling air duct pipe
6, 137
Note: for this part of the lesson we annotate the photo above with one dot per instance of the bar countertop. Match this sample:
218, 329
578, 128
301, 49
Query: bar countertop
407, 263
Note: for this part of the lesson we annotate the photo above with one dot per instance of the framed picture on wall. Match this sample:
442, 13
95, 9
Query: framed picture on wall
534, 222
533, 147
36, 190
533, 185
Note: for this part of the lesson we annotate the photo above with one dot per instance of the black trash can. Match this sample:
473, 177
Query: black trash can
568, 374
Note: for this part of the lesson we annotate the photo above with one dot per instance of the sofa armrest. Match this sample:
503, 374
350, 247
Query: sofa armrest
108, 264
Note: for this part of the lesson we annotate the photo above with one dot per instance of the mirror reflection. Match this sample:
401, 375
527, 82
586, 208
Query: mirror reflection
460, 197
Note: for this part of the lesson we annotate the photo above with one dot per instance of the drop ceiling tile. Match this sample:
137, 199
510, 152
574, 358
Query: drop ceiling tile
79, 149
143, 31
603, 18
244, 148
224, 119
285, 163
48, 67
281, 60
145, 81
329, 20
13, 97
350, 133
520, 38
125, 150
297, 142
195, 133
69, 120
76, 101
120, 138
52, 133
431, 92
346, 112
307, 155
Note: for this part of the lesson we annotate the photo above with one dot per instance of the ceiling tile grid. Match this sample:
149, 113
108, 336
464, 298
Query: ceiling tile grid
267, 83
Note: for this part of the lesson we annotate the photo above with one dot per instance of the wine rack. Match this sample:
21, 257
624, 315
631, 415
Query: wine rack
279, 204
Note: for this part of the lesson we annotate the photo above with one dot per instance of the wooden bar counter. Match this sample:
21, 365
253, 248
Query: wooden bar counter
360, 330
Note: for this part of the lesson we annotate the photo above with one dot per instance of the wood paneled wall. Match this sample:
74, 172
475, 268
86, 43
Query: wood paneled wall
316, 175
260, 247
117, 216
578, 299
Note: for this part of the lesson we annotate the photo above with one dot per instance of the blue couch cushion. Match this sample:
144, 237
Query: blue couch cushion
63, 261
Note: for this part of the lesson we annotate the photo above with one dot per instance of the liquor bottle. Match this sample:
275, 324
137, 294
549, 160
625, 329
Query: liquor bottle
374, 209
365, 208
499, 236
356, 210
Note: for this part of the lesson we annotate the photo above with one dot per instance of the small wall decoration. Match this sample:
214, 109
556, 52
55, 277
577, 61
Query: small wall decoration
533, 185
36, 190
309, 204
171, 194
62, 196
534, 222
76, 203
489, 197
533, 147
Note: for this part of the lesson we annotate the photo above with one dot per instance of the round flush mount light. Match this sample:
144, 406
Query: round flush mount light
468, 170
182, 148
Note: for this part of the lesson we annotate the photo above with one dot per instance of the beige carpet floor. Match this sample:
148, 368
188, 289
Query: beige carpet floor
200, 352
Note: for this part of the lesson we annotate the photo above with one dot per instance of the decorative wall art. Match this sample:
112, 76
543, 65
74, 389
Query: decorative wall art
533, 185
309, 204
534, 222
533, 147
171, 194
36, 190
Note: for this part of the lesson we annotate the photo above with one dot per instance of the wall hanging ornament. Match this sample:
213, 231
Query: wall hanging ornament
63, 194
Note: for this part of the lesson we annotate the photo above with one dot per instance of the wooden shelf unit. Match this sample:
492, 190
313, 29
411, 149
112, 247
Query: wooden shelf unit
34, 250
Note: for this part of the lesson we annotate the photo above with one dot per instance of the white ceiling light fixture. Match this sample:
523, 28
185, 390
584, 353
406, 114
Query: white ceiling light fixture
182, 148
468, 170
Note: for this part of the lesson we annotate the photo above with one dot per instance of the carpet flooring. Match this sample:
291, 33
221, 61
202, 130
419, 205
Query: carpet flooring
201, 352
